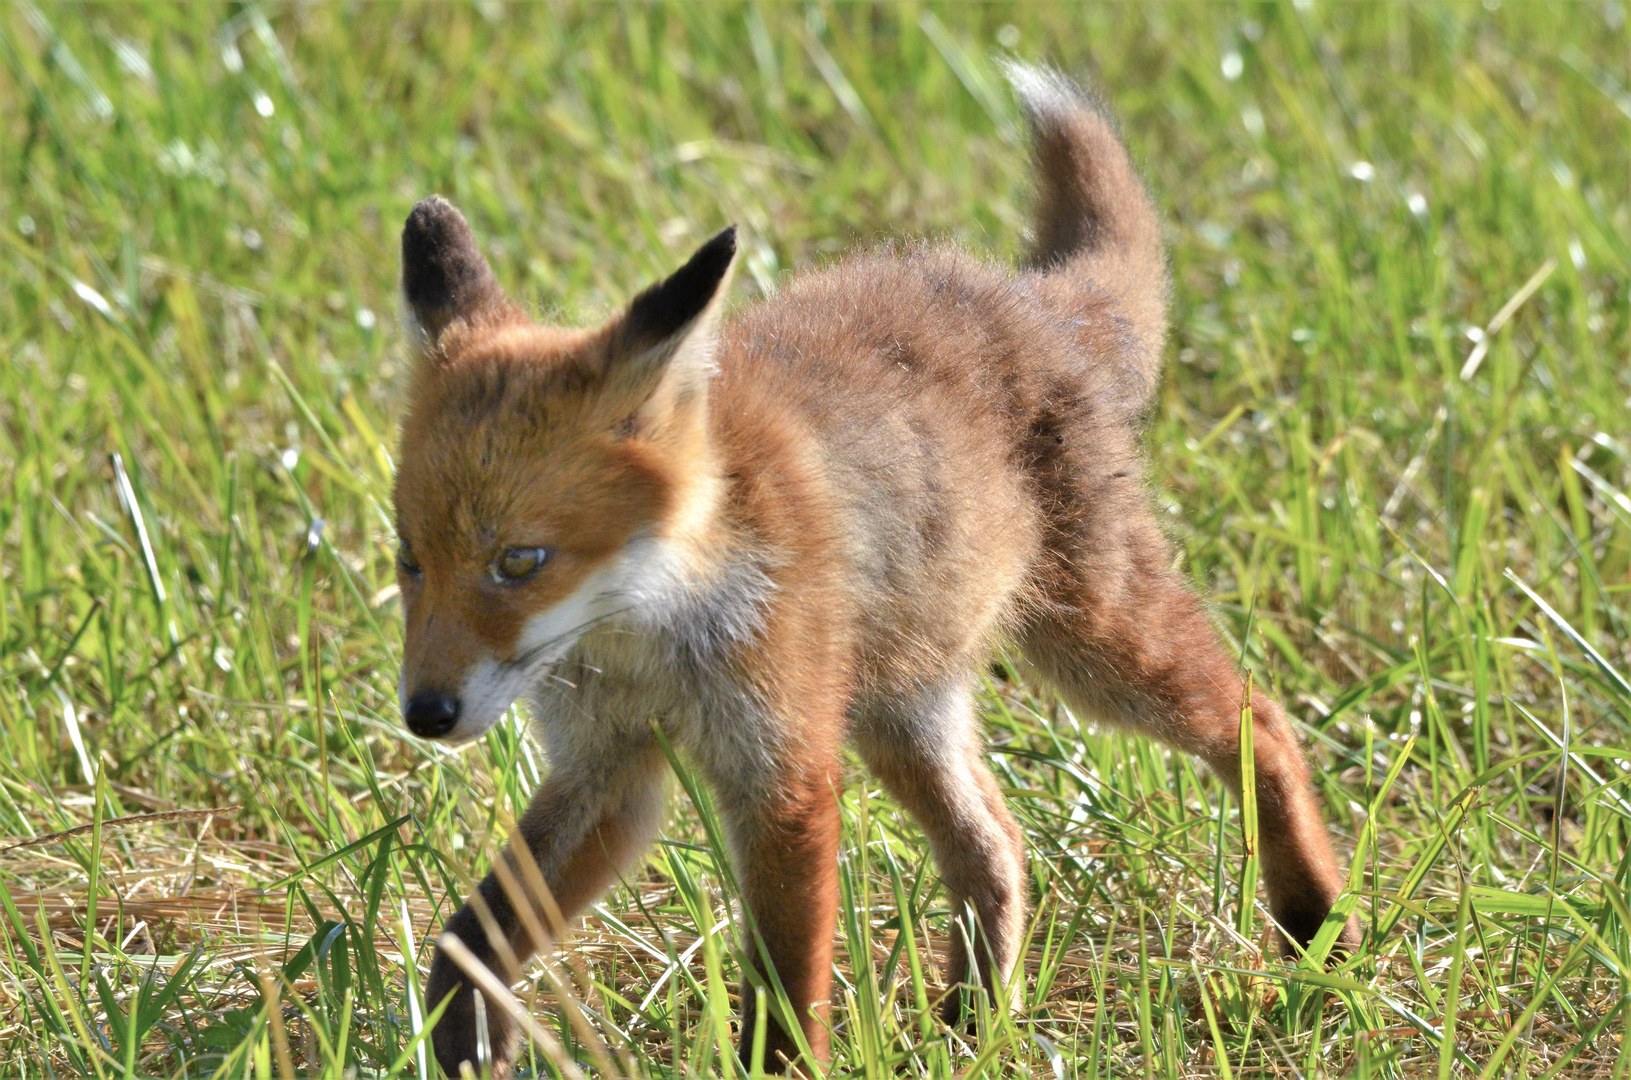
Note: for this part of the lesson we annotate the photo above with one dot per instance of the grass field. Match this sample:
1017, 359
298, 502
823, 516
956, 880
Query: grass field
1394, 442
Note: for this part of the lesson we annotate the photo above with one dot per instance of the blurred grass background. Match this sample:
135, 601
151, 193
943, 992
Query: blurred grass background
1393, 442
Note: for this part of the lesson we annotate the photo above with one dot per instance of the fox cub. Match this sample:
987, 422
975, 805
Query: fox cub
804, 527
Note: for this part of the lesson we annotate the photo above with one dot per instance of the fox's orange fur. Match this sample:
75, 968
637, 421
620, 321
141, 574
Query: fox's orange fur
803, 527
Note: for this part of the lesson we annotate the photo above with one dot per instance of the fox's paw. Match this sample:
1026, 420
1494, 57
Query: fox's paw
1299, 930
465, 1035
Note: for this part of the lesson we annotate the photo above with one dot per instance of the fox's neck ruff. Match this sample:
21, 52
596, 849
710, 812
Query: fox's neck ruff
695, 529
688, 590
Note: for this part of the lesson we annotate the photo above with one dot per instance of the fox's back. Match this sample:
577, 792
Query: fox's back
952, 416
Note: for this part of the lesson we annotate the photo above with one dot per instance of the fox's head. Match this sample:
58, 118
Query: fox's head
539, 468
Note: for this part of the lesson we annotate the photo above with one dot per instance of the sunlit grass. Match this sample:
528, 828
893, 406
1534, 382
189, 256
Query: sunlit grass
1393, 439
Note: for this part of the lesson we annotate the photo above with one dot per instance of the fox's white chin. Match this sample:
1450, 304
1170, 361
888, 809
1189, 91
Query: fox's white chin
490, 688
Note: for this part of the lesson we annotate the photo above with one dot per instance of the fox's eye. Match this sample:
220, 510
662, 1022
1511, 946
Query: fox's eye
405, 560
519, 564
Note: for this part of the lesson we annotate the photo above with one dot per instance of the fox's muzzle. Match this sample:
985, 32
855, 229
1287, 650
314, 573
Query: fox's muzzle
431, 714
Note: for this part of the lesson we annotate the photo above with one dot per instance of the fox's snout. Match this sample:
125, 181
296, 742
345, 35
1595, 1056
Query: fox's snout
457, 706
462, 666
450, 651
431, 714
447, 689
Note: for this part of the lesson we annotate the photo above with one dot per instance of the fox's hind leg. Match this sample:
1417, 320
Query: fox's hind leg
1127, 642
928, 752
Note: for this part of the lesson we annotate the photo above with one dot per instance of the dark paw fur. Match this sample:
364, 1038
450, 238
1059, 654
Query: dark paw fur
457, 1038
1300, 927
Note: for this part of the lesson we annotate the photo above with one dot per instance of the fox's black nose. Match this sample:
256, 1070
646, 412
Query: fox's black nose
431, 714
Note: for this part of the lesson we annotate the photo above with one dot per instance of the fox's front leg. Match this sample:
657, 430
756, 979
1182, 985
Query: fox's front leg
593, 817
784, 836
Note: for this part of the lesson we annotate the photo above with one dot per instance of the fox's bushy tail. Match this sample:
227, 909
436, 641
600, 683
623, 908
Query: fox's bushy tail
1095, 223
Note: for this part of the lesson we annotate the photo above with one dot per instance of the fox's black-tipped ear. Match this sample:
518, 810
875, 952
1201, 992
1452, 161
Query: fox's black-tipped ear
664, 351
444, 276
665, 312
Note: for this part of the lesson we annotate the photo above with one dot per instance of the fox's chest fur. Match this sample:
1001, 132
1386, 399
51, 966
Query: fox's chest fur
671, 658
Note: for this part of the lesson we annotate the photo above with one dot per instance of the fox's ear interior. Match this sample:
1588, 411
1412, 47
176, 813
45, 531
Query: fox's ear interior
444, 277
665, 346
664, 313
